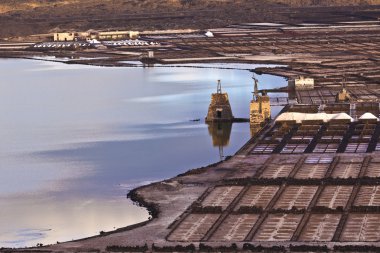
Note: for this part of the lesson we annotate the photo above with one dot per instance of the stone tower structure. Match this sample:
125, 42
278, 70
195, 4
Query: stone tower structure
343, 95
260, 107
220, 108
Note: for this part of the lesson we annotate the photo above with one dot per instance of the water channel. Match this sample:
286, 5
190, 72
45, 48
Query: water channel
75, 139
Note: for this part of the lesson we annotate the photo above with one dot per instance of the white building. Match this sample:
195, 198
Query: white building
301, 83
209, 34
65, 36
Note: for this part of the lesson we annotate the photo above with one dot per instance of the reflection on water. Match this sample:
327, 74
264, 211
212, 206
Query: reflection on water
255, 128
28, 220
220, 133
75, 139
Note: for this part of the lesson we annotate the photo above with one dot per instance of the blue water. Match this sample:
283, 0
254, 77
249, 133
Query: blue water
75, 139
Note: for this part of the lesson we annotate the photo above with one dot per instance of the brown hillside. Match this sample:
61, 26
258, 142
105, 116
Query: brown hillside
22, 17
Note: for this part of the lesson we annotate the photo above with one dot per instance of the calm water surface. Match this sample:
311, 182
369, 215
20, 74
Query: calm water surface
76, 139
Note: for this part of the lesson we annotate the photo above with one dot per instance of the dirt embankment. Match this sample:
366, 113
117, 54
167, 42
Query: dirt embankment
150, 5
25, 17
301, 3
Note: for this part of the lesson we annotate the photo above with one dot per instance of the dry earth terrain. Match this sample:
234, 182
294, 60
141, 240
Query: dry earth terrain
312, 185
25, 17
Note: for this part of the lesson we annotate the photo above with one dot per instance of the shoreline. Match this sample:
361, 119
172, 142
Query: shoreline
133, 194
276, 64
315, 53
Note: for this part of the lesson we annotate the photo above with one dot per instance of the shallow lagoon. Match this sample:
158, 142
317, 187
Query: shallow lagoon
75, 139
